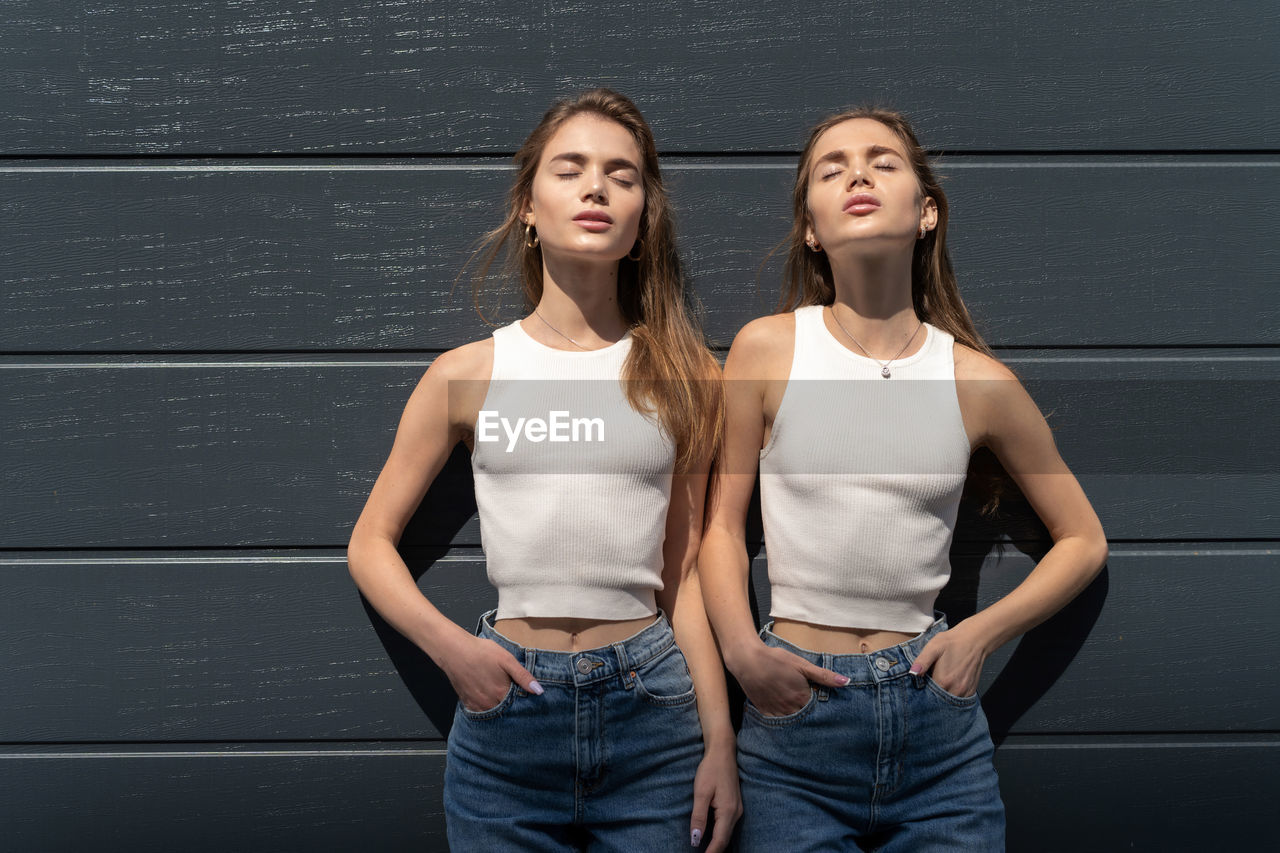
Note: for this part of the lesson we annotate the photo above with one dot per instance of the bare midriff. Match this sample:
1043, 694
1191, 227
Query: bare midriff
565, 634
837, 641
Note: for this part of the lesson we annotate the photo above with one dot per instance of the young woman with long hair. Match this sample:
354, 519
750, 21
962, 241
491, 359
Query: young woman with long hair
592, 709
862, 728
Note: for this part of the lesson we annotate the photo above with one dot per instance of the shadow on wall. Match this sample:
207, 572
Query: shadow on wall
447, 506
1041, 655
1040, 658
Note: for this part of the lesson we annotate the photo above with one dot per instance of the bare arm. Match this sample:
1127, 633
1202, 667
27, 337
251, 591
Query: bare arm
681, 597
1003, 417
716, 783
775, 680
724, 564
429, 429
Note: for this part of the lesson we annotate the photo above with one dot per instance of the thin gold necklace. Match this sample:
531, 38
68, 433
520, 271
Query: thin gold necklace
569, 339
884, 365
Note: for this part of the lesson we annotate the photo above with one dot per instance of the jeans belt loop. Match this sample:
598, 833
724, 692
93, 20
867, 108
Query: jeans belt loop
624, 666
822, 689
917, 678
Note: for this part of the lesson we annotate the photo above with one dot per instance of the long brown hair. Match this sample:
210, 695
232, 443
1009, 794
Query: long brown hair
935, 294
669, 365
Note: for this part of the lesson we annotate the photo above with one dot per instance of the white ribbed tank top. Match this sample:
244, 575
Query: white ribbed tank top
860, 483
572, 516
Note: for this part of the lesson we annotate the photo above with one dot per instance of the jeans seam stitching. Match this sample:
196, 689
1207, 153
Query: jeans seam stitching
947, 696
786, 719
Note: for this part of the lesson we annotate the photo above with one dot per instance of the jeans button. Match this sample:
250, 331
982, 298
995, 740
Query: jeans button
883, 664
584, 666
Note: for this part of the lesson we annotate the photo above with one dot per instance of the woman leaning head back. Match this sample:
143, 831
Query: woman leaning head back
668, 364
934, 292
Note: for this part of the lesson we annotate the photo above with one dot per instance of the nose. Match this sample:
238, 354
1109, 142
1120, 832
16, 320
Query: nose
595, 189
857, 175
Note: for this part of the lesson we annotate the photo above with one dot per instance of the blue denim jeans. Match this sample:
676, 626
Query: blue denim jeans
603, 760
890, 762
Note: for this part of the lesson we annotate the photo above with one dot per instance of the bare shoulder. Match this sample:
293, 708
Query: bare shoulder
473, 361
988, 393
993, 402
767, 331
455, 384
971, 364
763, 347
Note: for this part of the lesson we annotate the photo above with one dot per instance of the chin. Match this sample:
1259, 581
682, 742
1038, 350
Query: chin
877, 240
589, 252
602, 253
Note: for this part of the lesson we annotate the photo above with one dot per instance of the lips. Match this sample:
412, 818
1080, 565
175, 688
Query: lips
594, 216
861, 203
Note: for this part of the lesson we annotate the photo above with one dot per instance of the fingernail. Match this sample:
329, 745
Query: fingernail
695, 838
842, 680
915, 669
535, 688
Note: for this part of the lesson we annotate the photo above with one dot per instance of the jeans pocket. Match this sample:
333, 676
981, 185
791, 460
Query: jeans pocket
948, 697
786, 719
665, 679
495, 711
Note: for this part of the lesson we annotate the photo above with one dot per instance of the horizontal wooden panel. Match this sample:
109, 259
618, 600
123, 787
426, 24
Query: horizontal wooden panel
239, 647
351, 256
254, 801
1106, 796
230, 648
397, 77
1103, 794
209, 453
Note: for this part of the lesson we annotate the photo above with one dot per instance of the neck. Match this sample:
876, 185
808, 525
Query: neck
873, 299
580, 299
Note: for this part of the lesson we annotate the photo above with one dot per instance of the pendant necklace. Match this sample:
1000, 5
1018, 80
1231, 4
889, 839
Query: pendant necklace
884, 365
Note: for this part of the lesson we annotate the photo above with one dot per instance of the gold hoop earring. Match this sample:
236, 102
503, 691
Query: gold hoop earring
527, 229
639, 251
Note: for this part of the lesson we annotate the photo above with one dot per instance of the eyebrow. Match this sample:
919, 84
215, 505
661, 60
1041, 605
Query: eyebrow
838, 156
581, 159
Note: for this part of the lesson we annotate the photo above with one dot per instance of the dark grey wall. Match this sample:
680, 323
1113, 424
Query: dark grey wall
229, 235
